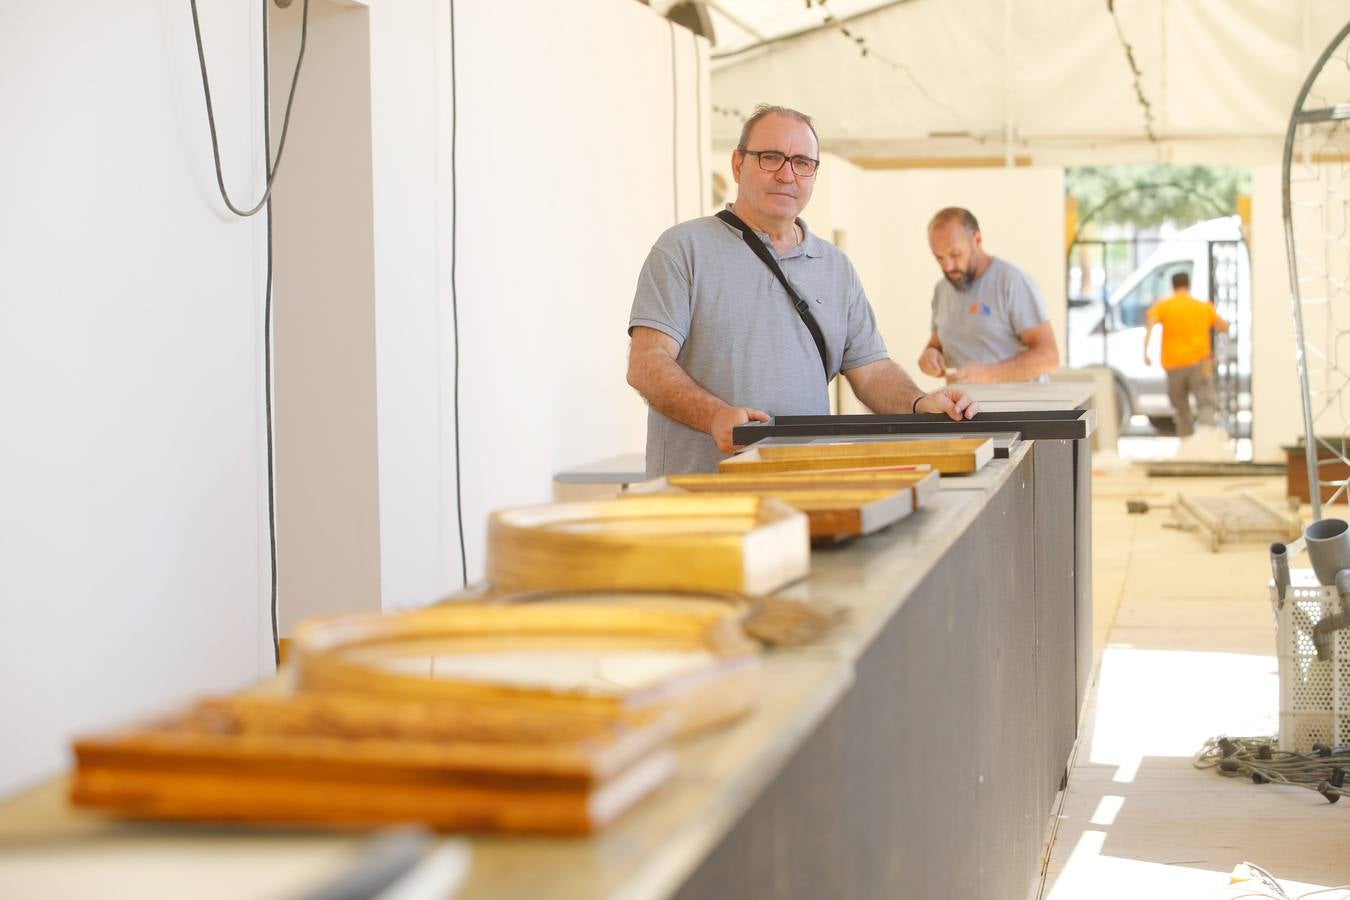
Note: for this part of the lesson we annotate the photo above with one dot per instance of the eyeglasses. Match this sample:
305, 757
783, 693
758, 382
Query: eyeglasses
772, 161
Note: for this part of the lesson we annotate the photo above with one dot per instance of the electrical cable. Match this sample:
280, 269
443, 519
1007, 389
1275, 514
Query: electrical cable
1268, 883
866, 50
272, 166
267, 346
454, 291
1323, 771
791, 36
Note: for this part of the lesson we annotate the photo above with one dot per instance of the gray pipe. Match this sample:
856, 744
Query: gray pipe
1279, 568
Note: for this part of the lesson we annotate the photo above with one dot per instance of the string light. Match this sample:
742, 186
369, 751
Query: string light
1138, 75
867, 51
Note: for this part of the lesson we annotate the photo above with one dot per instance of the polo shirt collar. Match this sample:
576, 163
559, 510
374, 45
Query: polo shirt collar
811, 246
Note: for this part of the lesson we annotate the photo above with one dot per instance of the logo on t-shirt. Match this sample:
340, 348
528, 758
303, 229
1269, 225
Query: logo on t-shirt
981, 309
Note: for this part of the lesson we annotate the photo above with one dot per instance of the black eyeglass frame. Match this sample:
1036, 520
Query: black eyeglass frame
760, 154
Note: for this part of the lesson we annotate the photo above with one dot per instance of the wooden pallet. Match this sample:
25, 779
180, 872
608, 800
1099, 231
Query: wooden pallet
1233, 519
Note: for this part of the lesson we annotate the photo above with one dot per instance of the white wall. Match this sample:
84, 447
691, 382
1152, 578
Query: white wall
135, 510
410, 113
567, 138
132, 490
1277, 406
1321, 221
567, 173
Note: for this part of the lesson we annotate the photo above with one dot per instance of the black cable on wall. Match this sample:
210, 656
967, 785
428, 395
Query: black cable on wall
267, 344
270, 167
454, 289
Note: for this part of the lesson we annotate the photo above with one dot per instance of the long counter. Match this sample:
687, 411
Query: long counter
914, 751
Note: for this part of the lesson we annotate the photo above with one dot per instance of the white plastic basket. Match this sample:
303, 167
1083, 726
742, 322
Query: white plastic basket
1314, 693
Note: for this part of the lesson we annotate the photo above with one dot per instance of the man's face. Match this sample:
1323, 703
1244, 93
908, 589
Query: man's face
781, 195
957, 252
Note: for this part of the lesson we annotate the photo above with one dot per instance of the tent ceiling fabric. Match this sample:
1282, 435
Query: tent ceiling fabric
948, 78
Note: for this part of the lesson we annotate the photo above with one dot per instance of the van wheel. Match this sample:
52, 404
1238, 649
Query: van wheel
1165, 425
1123, 411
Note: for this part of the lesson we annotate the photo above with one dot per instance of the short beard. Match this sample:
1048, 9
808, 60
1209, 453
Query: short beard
967, 277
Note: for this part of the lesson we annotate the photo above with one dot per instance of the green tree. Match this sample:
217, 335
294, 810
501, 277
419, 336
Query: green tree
1147, 196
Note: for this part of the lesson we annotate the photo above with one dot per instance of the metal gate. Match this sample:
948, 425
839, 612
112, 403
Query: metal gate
1111, 285
1232, 379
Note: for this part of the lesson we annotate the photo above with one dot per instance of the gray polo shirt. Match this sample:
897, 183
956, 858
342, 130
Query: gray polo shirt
739, 335
981, 324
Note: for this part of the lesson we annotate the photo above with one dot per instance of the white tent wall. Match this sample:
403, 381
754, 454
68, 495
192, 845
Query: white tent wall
414, 331
133, 564
559, 201
957, 77
1277, 406
576, 150
134, 568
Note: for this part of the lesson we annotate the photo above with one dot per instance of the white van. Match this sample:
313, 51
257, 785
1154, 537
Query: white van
1215, 257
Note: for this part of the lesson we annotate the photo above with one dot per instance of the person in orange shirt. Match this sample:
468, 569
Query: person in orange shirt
1187, 355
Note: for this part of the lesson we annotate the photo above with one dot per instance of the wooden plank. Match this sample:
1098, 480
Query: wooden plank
922, 480
226, 794
893, 478
847, 512
950, 457
838, 504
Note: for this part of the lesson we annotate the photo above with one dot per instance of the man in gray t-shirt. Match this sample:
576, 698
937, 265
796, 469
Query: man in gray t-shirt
717, 343
990, 322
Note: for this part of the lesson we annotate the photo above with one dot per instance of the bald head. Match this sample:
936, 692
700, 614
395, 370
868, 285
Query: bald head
957, 245
964, 217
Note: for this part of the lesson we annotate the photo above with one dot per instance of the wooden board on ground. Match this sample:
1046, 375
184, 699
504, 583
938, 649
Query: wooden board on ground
743, 544
959, 456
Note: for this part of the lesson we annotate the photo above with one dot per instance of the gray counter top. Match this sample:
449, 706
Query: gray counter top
651, 850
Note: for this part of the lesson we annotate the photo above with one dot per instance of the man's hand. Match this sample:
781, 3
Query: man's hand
970, 373
932, 362
954, 402
727, 418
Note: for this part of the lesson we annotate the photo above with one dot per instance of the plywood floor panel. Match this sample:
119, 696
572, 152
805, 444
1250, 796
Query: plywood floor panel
1187, 649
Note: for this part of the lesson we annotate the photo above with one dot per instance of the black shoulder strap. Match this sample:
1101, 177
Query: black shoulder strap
756, 245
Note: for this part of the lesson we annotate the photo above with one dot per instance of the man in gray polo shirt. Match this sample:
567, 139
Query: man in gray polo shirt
990, 322
717, 343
